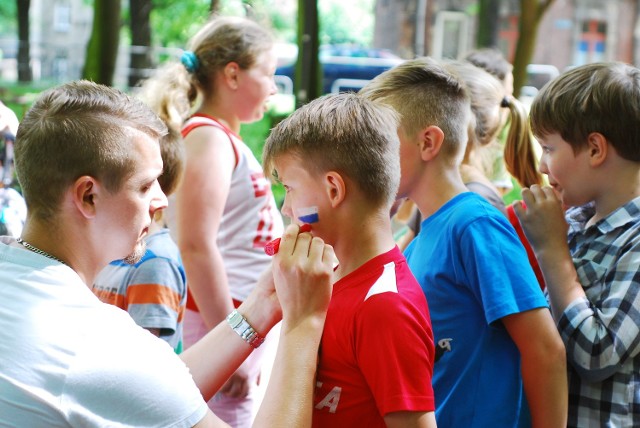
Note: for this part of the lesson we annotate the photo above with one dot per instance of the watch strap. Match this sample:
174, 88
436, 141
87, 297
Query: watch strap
240, 325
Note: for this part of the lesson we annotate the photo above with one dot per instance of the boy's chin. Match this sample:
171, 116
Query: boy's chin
136, 255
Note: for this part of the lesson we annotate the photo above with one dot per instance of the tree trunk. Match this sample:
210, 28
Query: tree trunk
24, 57
215, 6
488, 21
634, 41
102, 50
531, 13
140, 61
308, 81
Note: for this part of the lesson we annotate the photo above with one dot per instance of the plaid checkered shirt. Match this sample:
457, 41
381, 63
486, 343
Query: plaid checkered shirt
602, 331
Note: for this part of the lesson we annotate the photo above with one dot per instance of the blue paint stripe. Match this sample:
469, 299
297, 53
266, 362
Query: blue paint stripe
309, 218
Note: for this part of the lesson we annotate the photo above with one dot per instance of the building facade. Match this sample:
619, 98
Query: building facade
572, 32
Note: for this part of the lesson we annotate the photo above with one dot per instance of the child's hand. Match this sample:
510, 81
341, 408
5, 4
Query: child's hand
543, 218
303, 270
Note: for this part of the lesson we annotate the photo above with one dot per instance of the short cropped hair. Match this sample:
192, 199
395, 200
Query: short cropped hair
79, 128
343, 133
425, 93
599, 97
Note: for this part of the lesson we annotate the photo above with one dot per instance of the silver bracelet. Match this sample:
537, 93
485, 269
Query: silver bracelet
240, 325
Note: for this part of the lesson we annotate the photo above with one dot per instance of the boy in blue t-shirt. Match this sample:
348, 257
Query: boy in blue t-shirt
499, 354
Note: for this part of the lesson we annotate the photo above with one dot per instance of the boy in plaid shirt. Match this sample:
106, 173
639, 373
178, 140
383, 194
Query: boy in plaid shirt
587, 122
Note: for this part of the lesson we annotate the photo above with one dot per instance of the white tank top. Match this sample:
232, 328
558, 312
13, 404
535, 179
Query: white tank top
250, 218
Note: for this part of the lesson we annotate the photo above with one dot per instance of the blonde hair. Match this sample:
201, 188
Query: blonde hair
519, 153
426, 94
174, 92
487, 97
343, 133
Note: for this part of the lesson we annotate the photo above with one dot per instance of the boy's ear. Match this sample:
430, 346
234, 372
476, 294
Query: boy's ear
597, 147
231, 74
83, 193
335, 188
431, 139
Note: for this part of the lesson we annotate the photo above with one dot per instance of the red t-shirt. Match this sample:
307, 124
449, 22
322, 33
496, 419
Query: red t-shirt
377, 352
533, 261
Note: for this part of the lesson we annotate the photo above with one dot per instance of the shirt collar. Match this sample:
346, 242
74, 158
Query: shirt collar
630, 212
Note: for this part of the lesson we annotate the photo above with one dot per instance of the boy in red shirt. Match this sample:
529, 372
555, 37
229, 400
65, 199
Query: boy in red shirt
338, 156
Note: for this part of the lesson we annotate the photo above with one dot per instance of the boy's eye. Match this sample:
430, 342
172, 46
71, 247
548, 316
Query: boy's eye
147, 186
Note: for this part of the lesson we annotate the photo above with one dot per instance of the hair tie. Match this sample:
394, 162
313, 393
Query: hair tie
504, 102
190, 61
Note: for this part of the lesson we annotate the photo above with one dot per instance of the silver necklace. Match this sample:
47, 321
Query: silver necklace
37, 250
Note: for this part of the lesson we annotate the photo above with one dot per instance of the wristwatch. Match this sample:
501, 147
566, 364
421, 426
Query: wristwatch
240, 325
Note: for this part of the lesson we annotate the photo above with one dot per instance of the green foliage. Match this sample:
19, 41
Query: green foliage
279, 15
174, 22
284, 25
102, 49
8, 17
350, 21
19, 96
346, 21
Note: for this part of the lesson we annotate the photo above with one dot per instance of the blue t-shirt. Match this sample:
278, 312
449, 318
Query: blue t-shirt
474, 271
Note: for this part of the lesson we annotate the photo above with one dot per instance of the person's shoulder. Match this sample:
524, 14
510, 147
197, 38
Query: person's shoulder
626, 216
469, 207
160, 242
205, 134
395, 282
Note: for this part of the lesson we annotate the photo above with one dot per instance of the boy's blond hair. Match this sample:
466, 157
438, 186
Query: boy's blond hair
343, 133
600, 97
425, 93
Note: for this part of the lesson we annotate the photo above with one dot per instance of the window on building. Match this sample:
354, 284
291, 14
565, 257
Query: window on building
592, 42
60, 68
62, 18
451, 35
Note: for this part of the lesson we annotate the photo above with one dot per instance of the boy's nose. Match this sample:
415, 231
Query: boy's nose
286, 209
159, 200
542, 166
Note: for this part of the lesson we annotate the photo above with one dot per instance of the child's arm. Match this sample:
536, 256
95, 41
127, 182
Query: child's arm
543, 365
288, 400
209, 164
210, 161
546, 229
410, 420
302, 278
599, 334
